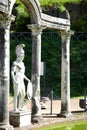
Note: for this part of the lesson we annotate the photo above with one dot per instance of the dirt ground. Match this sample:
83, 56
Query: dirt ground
56, 106
50, 113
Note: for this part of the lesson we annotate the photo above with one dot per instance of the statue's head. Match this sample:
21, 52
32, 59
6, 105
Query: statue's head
19, 50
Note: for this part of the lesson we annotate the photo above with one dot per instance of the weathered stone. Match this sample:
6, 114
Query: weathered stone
6, 127
4, 74
4, 6
65, 74
34, 9
20, 118
36, 67
54, 22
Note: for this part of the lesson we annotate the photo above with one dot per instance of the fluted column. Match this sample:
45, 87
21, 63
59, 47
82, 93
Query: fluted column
36, 68
65, 73
4, 73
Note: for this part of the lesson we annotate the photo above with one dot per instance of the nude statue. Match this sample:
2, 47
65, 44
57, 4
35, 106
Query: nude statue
18, 76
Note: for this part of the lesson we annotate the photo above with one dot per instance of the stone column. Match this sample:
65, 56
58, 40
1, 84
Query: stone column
4, 74
36, 68
65, 74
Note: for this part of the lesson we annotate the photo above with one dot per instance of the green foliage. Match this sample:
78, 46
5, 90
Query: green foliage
48, 2
78, 66
51, 55
21, 23
61, 8
80, 24
22, 18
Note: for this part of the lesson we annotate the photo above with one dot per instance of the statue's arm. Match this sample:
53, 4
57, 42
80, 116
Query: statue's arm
16, 65
26, 78
13, 70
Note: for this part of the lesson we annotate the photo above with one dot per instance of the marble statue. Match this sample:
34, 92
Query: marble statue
18, 76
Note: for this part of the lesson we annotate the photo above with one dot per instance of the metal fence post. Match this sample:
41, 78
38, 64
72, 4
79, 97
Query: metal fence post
51, 109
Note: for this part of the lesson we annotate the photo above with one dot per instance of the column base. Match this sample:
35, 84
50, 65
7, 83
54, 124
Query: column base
37, 119
6, 127
20, 118
65, 114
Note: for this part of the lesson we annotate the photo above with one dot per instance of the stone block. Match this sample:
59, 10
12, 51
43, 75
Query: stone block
6, 127
20, 118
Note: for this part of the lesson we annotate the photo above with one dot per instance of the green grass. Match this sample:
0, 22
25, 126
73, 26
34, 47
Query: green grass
64, 126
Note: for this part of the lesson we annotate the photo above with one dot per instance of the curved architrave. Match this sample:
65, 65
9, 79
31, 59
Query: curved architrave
11, 4
6, 6
34, 10
55, 22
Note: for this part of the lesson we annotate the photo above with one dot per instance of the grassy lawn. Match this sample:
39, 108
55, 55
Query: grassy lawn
65, 126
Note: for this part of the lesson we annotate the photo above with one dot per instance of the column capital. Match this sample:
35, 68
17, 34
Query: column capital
5, 22
64, 33
36, 28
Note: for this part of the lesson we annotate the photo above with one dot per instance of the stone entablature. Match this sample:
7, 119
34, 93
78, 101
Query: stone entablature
54, 22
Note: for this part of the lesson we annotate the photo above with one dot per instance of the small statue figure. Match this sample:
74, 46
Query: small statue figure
18, 76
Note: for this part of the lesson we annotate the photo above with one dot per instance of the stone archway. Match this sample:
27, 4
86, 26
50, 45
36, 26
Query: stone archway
34, 9
39, 21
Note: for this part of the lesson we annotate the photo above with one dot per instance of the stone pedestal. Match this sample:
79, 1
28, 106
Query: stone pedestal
6, 127
20, 118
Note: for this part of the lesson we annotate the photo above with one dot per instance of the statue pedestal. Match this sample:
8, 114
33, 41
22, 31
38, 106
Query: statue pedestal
20, 118
6, 127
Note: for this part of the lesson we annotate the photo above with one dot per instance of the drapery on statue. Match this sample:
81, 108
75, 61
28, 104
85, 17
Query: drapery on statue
18, 76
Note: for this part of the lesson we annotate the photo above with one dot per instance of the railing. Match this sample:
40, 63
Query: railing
19, 36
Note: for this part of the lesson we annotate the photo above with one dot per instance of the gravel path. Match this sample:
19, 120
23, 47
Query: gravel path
50, 115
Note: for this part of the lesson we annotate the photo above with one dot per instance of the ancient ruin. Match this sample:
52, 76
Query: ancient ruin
39, 21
